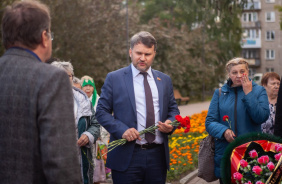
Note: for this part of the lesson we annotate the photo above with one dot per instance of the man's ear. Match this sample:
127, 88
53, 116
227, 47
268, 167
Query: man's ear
130, 52
45, 38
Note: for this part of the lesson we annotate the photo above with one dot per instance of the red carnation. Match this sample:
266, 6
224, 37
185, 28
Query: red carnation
270, 166
225, 118
278, 147
263, 160
259, 182
178, 118
243, 163
257, 170
253, 154
237, 176
277, 156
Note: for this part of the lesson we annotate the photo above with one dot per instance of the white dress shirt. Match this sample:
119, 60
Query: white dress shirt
140, 100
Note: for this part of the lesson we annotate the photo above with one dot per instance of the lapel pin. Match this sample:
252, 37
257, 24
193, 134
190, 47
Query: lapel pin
159, 78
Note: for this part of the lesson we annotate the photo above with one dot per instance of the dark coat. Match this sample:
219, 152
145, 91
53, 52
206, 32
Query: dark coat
37, 127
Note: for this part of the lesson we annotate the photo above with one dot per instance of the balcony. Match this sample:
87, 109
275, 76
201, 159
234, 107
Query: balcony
254, 62
247, 43
252, 6
256, 24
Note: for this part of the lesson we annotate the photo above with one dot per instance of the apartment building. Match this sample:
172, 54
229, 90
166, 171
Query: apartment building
262, 37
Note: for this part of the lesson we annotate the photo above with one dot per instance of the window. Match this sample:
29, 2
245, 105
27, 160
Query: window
244, 17
270, 54
250, 17
269, 69
251, 33
270, 16
270, 1
270, 35
250, 54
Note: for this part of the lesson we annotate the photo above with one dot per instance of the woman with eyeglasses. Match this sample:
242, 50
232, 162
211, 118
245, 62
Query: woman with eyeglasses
87, 127
243, 101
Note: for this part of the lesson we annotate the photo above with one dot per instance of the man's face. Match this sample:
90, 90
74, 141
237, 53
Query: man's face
142, 56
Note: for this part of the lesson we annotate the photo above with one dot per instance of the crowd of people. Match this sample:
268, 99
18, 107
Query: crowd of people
53, 125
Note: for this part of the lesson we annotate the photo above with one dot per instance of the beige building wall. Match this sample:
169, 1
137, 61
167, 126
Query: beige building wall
275, 45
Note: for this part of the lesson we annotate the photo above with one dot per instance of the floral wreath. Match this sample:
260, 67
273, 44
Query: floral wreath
251, 158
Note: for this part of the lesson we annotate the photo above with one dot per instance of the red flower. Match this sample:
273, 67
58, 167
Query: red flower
225, 118
249, 182
270, 166
243, 163
259, 182
178, 118
257, 170
187, 130
277, 156
184, 122
263, 160
237, 176
278, 147
253, 154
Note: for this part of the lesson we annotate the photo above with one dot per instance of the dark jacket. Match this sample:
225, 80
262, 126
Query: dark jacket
117, 97
37, 127
278, 115
248, 111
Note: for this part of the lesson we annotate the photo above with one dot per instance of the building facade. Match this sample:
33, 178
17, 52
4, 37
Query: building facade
262, 37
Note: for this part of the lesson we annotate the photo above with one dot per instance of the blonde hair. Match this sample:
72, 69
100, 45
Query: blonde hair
234, 62
86, 77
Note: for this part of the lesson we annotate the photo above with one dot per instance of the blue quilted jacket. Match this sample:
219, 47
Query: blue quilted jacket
246, 114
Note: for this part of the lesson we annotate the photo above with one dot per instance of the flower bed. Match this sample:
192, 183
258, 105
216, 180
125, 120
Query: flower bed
184, 148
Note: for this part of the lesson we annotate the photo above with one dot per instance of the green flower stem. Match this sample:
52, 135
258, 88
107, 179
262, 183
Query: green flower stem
112, 145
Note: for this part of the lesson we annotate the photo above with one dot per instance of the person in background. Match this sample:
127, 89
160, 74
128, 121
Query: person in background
243, 101
76, 82
87, 127
133, 98
278, 115
271, 82
36, 145
88, 86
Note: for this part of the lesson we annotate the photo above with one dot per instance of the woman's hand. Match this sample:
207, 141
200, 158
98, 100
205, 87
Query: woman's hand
229, 135
246, 84
83, 140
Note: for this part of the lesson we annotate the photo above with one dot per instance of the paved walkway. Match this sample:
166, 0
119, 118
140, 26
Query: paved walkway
187, 110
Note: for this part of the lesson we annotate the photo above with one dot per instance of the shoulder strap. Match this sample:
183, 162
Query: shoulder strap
219, 92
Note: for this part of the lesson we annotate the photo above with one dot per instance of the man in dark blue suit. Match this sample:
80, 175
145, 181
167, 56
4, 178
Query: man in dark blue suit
132, 99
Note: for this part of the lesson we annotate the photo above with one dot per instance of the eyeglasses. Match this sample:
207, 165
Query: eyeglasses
51, 35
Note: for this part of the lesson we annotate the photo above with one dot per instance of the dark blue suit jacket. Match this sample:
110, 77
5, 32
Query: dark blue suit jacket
116, 112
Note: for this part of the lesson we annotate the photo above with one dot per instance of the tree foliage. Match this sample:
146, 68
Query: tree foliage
210, 36
193, 45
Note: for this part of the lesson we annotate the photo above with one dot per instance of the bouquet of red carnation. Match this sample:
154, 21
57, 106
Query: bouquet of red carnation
179, 122
256, 170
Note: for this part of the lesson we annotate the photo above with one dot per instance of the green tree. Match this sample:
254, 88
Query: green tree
211, 32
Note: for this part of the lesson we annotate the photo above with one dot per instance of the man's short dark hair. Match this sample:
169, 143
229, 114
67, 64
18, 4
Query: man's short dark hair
145, 38
23, 23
